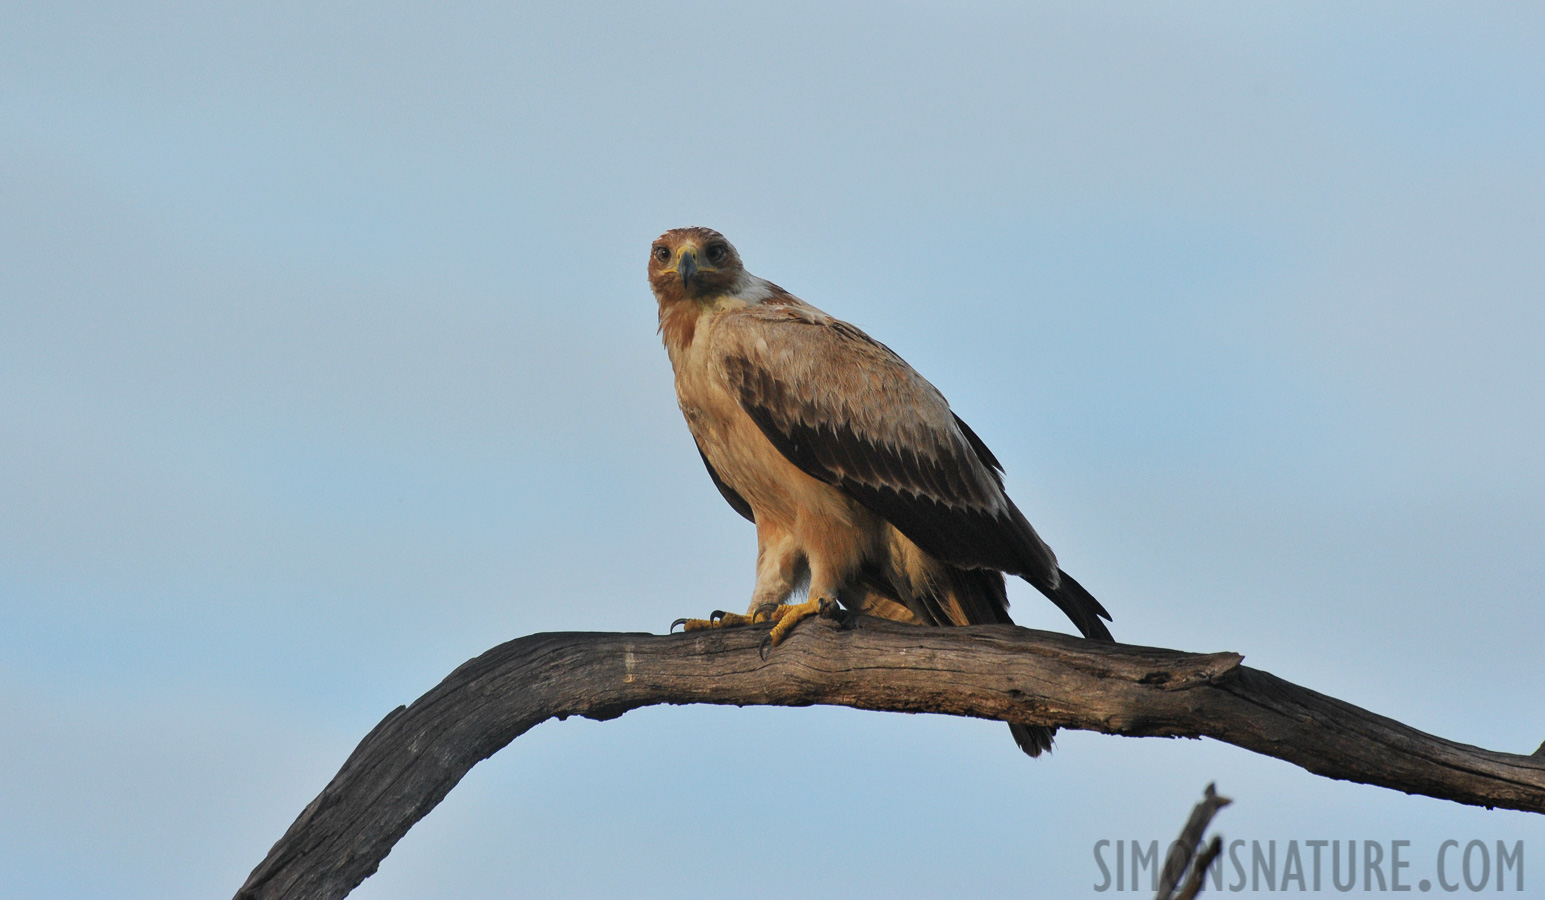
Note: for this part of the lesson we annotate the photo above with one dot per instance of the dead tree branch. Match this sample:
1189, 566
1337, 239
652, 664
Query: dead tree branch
1188, 848
413, 758
1199, 871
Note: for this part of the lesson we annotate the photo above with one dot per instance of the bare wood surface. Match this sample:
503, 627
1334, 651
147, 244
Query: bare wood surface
413, 758
1198, 874
1188, 847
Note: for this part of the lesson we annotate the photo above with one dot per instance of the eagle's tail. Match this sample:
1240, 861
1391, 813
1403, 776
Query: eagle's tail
1086, 612
981, 596
958, 596
1033, 739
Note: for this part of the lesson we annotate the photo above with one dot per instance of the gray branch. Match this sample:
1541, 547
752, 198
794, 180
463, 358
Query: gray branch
412, 759
1185, 848
1199, 871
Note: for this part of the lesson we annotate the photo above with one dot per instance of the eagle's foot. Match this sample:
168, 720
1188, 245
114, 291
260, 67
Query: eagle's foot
716, 619
790, 615
783, 616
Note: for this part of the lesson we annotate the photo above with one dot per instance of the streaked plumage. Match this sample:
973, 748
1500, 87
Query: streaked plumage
857, 475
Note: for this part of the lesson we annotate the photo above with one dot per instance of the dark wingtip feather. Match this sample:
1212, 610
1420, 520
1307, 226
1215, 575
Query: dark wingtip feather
1080, 606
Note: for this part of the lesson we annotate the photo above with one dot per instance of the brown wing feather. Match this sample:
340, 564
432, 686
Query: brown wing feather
848, 411
731, 496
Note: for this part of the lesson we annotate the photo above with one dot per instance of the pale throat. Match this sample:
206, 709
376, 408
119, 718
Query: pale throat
725, 302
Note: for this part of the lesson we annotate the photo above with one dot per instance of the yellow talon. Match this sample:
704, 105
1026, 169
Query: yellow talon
789, 616
717, 620
783, 617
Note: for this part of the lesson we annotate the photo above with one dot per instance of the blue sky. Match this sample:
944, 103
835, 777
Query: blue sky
327, 362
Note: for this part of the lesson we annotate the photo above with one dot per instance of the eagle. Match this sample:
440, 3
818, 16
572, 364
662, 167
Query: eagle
861, 481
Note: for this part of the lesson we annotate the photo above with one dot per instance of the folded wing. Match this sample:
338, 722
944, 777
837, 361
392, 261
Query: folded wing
848, 411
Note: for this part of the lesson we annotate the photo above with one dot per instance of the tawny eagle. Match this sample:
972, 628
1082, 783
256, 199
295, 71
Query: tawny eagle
858, 477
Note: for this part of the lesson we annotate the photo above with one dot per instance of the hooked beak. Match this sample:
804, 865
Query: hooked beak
687, 267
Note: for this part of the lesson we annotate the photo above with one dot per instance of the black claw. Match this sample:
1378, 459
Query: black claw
831, 609
764, 648
715, 616
675, 623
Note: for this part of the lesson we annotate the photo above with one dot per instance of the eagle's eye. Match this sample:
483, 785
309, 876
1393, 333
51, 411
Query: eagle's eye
717, 253
662, 254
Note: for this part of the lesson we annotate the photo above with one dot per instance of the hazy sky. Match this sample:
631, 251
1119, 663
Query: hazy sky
327, 362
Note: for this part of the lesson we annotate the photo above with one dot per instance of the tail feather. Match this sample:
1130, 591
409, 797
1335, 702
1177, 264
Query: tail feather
979, 597
1033, 739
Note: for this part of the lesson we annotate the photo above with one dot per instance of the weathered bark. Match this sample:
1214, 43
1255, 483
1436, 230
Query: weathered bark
413, 758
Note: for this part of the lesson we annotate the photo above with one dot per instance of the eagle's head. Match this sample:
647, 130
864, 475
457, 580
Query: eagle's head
693, 264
